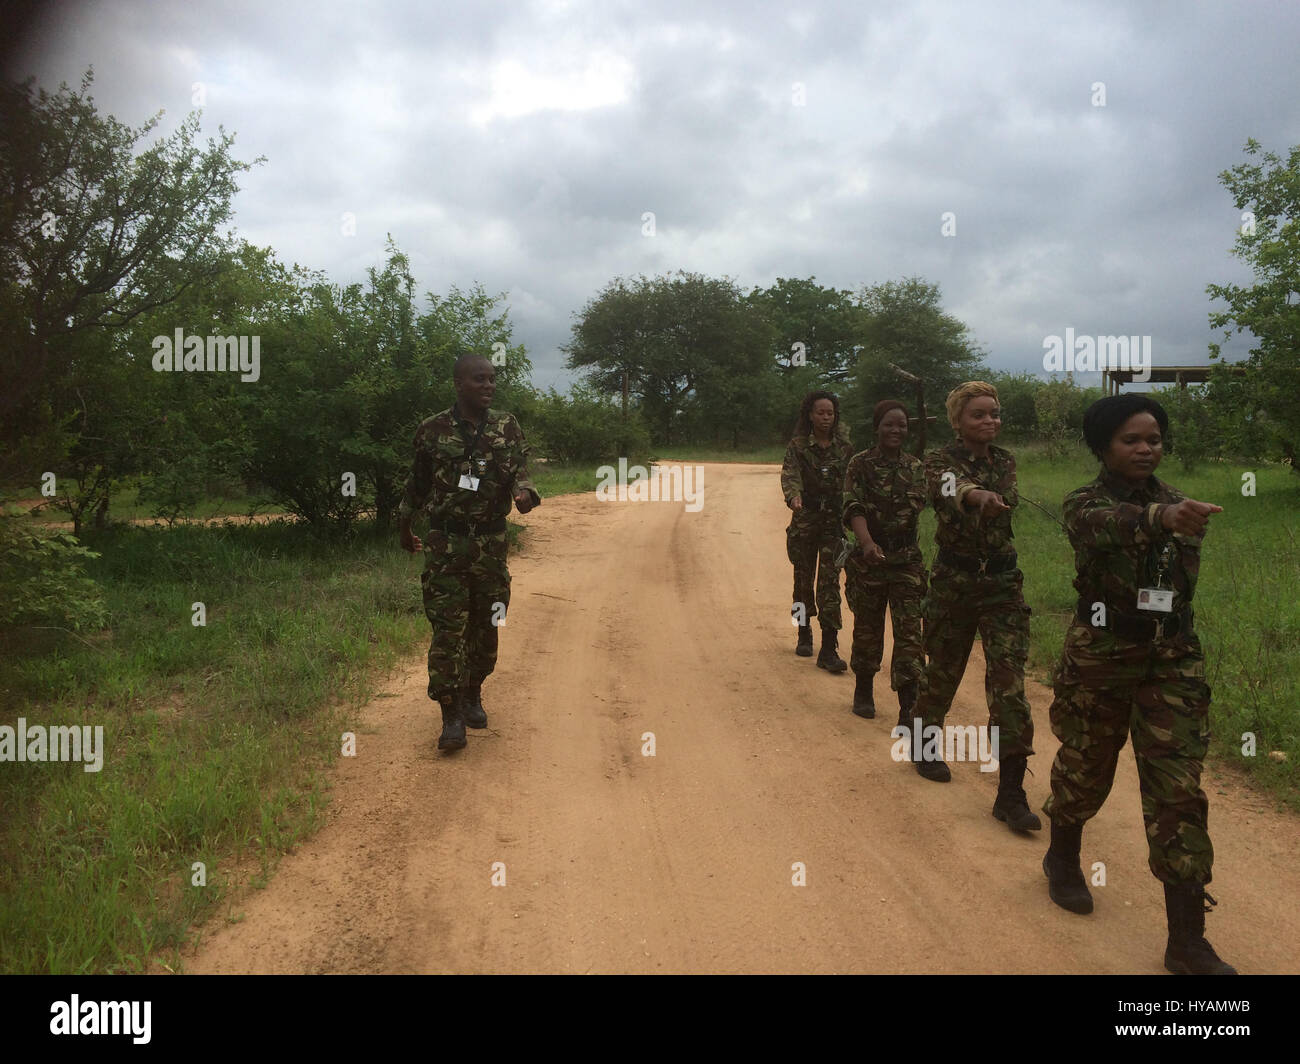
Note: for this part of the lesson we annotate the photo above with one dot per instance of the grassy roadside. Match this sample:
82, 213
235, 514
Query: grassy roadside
126, 506
686, 453
218, 740
562, 479
1247, 599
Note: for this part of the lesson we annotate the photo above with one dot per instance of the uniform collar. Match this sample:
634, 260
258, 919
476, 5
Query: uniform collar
959, 446
1123, 490
876, 452
461, 418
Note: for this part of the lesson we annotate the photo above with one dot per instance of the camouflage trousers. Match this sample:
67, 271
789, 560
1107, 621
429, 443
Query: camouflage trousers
1106, 689
466, 589
811, 543
868, 588
958, 605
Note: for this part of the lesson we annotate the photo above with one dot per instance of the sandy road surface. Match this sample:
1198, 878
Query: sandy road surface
636, 617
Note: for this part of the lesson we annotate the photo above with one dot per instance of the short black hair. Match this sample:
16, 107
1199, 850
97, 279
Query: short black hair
464, 362
1103, 419
884, 407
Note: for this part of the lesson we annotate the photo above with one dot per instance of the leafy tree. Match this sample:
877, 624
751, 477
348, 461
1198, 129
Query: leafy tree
94, 233
683, 345
1016, 393
347, 377
825, 321
1193, 427
905, 325
1060, 405
1269, 239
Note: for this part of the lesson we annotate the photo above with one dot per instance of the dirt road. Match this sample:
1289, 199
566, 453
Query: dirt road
629, 618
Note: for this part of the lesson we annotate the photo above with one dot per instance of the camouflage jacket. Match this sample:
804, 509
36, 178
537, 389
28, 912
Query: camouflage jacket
1120, 543
814, 472
442, 454
888, 493
960, 529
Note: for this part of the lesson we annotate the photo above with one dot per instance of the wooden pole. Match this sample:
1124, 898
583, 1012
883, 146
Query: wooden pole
920, 419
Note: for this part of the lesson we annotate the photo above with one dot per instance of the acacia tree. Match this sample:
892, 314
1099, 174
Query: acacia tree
683, 345
93, 234
905, 325
1268, 239
814, 326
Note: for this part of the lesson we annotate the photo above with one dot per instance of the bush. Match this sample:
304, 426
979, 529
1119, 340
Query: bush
1193, 434
42, 580
1060, 405
585, 428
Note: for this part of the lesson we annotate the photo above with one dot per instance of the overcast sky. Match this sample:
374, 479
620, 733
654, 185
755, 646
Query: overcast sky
520, 145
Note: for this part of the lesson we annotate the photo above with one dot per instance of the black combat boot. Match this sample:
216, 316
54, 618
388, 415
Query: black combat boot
453, 724
1010, 805
1065, 882
471, 706
864, 703
804, 649
935, 768
1188, 953
828, 659
907, 703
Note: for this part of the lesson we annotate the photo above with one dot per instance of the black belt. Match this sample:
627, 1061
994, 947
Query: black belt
474, 528
1137, 629
992, 563
816, 505
899, 542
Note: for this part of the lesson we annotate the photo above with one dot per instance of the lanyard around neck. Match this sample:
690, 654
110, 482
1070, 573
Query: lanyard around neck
472, 445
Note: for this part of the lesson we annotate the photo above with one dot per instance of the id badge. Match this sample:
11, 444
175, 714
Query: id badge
468, 482
1157, 599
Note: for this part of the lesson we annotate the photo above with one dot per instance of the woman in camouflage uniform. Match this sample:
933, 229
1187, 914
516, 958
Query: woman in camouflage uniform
812, 481
1132, 663
884, 491
975, 586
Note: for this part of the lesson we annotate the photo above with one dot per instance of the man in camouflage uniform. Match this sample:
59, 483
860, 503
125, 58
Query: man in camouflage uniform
1132, 663
812, 481
470, 462
884, 492
976, 586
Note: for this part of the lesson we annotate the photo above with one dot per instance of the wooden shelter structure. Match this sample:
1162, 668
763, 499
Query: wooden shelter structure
1113, 379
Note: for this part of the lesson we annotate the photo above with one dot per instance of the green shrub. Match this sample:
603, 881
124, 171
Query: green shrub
42, 580
585, 428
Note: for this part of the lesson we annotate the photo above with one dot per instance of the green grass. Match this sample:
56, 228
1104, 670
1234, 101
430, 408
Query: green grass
552, 479
692, 453
1247, 598
126, 506
218, 739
